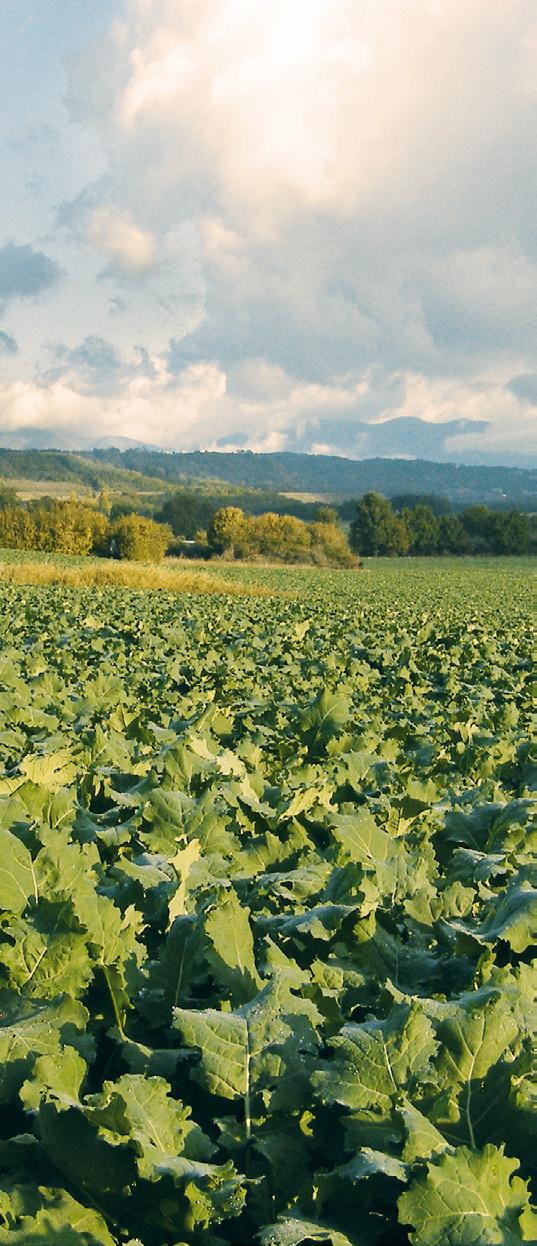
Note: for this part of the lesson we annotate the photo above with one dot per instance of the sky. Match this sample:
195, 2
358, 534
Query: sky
270, 225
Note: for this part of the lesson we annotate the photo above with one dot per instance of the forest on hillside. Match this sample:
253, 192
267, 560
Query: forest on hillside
143, 470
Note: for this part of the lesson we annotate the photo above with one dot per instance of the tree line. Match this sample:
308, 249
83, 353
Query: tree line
57, 526
73, 527
378, 529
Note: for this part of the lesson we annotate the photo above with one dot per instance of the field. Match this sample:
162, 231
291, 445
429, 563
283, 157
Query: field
269, 910
33, 490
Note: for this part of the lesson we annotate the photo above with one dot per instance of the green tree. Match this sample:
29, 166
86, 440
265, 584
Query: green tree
104, 501
139, 539
187, 512
326, 515
478, 522
452, 535
17, 528
279, 536
423, 529
375, 529
67, 527
53, 526
8, 496
408, 501
510, 532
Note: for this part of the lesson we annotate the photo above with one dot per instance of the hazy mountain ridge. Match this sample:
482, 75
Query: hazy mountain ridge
459, 440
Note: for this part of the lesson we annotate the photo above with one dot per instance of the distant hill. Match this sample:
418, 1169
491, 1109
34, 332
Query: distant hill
339, 477
67, 466
218, 473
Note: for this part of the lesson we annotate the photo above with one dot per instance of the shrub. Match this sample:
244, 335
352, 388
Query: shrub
329, 547
279, 536
67, 527
53, 527
197, 549
139, 539
17, 528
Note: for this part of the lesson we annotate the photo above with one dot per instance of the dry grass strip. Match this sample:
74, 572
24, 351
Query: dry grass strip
132, 575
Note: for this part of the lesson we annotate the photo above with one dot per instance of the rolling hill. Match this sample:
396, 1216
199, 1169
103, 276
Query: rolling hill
141, 470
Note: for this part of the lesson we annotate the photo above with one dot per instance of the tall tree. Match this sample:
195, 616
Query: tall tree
227, 531
375, 529
510, 532
453, 537
423, 529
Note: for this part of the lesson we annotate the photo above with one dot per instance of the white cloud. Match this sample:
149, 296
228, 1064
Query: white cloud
259, 407
324, 207
143, 407
119, 239
324, 102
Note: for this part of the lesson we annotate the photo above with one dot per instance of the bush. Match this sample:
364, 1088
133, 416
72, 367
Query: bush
67, 527
53, 527
279, 538
329, 547
8, 496
17, 529
139, 539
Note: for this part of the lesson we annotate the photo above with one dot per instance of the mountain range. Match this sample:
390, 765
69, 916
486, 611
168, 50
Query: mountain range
401, 437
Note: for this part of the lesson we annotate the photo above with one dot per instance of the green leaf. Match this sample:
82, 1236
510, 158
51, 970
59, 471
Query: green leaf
51, 770
182, 862
292, 1230
169, 978
231, 950
466, 1198
423, 1139
60, 1074
360, 837
31, 1028
47, 958
17, 877
514, 918
236, 1046
474, 1034
375, 1061
58, 1220
324, 718
138, 1111
370, 1163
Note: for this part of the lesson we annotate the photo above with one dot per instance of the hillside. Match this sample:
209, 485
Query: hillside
78, 469
271, 475
340, 477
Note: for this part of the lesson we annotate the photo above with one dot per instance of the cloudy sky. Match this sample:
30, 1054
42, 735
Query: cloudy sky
274, 224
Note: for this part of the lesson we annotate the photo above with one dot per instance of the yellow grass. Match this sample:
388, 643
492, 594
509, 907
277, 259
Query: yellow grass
325, 498
29, 490
133, 575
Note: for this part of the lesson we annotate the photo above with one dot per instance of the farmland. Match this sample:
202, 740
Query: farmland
269, 910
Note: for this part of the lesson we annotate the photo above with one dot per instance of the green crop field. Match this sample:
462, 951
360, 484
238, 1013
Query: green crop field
268, 910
